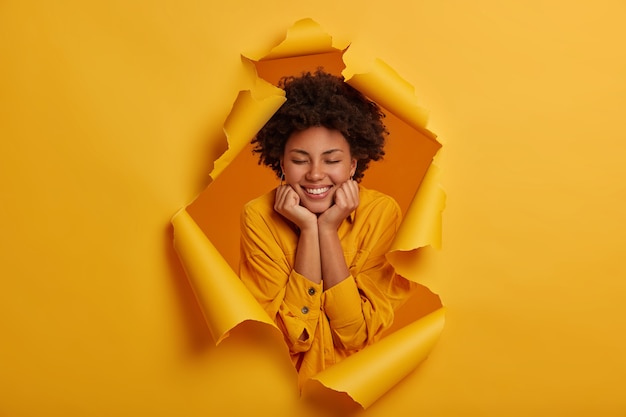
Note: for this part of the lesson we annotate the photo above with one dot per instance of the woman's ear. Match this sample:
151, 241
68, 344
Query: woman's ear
282, 171
353, 168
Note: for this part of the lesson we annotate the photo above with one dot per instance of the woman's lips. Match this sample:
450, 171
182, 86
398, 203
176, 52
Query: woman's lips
316, 193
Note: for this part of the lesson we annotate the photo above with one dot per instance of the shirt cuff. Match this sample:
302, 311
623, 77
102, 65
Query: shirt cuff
342, 303
303, 297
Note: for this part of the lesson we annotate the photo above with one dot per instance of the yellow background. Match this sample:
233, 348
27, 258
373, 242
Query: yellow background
110, 117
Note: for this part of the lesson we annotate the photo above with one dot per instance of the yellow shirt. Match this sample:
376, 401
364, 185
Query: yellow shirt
348, 316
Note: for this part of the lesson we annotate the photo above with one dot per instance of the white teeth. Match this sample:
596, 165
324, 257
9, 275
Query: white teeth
317, 191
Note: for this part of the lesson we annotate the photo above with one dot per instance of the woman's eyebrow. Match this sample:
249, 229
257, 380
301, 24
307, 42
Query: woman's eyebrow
303, 152
300, 151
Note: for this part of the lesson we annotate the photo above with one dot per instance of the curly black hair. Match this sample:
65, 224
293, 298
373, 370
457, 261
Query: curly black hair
323, 99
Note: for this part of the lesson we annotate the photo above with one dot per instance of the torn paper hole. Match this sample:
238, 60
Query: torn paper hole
207, 231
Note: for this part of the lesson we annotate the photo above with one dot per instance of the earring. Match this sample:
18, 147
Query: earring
282, 178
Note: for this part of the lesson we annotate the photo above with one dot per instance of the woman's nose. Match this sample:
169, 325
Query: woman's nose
315, 172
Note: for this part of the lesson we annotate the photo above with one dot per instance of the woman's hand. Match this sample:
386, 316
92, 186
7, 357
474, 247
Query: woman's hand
287, 203
346, 201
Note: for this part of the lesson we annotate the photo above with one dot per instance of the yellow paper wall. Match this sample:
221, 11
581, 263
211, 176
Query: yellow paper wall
111, 113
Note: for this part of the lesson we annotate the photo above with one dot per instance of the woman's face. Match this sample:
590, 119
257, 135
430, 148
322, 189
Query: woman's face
315, 163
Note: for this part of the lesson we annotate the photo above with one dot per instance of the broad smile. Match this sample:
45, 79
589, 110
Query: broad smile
316, 192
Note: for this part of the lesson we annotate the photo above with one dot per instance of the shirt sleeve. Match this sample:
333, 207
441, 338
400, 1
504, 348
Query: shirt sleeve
289, 298
361, 307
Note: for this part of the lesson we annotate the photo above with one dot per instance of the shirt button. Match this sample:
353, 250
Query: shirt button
305, 310
311, 291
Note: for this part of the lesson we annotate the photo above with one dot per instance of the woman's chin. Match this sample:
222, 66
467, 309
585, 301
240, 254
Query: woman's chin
317, 207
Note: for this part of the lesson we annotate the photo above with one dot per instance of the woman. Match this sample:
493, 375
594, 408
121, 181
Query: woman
313, 250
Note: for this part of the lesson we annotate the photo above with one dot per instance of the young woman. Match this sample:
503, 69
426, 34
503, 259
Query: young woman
313, 250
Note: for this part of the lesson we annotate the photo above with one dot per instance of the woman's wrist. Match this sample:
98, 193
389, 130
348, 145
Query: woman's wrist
309, 227
325, 227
